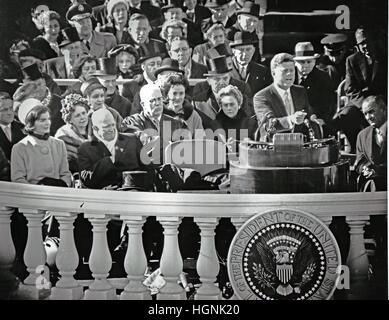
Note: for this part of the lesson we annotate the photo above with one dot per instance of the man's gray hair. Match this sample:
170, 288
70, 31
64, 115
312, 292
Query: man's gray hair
146, 89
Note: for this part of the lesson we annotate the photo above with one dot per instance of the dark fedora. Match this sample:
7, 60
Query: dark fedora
32, 72
70, 35
105, 67
123, 48
137, 181
217, 66
251, 9
172, 4
216, 3
242, 38
168, 64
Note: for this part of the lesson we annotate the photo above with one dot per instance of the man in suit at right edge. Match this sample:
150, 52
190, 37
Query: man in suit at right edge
283, 105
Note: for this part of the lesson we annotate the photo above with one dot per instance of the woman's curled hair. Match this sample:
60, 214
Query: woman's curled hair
69, 104
232, 91
33, 116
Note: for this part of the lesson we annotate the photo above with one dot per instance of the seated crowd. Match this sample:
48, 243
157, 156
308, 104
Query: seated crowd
101, 127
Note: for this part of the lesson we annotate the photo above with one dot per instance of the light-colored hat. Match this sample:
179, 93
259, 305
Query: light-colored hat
112, 3
305, 51
25, 107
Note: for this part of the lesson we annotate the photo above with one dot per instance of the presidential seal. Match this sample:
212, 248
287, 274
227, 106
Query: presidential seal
284, 255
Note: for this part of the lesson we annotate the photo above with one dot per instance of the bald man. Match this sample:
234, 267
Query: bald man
103, 159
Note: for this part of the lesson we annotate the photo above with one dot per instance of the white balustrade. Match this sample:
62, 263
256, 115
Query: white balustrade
100, 261
8, 281
135, 262
171, 261
67, 288
207, 262
37, 284
357, 259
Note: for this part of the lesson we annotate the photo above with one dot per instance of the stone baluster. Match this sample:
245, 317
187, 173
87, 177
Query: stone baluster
67, 288
357, 259
135, 262
37, 284
100, 261
171, 261
207, 262
327, 220
8, 281
238, 222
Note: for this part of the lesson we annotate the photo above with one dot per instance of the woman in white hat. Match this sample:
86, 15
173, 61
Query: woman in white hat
39, 158
117, 11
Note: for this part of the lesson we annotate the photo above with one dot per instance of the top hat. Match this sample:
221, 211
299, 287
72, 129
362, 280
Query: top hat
168, 65
137, 180
220, 50
217, 66
216, 3
105, 67
32, 72
242, 38
145, 54
70, 35
305, 51
92, 84
32, 52
251, 9
79, 11
172, 4
123, 48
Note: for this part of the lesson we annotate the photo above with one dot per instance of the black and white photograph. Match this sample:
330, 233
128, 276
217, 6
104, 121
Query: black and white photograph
193, 154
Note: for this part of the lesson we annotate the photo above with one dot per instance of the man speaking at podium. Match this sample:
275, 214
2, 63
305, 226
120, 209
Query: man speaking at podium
283, 106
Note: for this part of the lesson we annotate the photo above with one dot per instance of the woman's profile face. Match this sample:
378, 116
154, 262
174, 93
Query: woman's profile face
97, 99
52, 28
79, 117
229, 106
42, 124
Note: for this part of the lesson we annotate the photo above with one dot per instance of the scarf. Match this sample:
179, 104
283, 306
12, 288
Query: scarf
44, 136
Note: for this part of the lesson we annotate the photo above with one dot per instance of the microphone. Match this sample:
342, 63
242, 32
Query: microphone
310, 129
264, 120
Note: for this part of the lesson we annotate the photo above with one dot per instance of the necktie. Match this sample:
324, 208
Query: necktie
288, 104
379, 137
86, 42
190, 15
7, 131
243, 72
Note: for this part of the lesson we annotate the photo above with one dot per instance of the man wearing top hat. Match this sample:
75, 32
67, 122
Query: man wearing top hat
248, 20
34, 86
219, 10
145, 7
282, 105
205, 92
366, 74
30, 56
321, 95
254, 74
333, 61
95, 43
149, 62
106, 74
71, 49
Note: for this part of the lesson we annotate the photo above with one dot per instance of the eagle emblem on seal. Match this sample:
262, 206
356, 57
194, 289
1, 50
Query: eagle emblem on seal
284, 262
